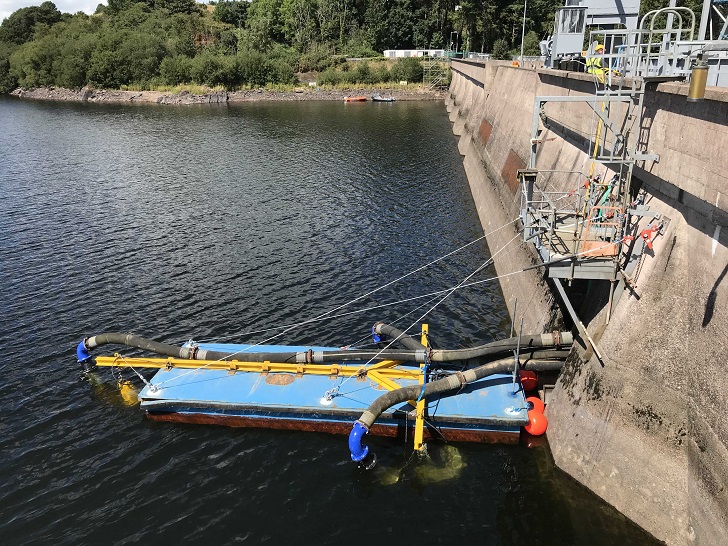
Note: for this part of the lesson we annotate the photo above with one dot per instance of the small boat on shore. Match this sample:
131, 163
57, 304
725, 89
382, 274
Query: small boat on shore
359, 98
379, 98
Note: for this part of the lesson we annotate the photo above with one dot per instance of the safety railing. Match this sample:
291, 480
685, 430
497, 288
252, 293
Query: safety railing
552, 220
651, 51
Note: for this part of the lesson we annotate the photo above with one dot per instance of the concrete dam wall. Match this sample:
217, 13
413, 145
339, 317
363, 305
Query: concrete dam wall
646, 428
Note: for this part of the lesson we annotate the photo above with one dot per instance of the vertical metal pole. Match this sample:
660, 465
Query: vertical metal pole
611, 300
704, 16
513, 320
517, 355
523, 28
420, 407
537, 103
667, 37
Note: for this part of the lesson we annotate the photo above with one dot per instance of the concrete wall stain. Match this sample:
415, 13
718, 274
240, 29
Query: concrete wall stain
485, 130
509, 173
647, 417
594, 389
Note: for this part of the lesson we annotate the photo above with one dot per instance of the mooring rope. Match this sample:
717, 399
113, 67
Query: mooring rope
328, 313
331, 393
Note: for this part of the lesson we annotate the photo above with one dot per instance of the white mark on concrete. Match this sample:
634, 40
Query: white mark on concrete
717, 198
716, 235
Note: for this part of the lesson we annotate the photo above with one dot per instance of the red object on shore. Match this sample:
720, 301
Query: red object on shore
355, 99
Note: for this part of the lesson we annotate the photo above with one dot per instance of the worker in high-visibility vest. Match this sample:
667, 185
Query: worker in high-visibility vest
594, 64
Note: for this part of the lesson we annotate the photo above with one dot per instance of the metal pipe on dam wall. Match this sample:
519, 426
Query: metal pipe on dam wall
645, 429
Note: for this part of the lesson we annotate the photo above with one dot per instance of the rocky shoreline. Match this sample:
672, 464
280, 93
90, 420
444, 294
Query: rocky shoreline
218, 97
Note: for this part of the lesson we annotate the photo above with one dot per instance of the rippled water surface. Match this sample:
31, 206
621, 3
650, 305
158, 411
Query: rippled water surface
227, 223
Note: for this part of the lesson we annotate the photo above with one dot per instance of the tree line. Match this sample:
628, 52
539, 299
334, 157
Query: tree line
232, 43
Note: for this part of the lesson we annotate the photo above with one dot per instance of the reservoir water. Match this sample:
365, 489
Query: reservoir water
228, 223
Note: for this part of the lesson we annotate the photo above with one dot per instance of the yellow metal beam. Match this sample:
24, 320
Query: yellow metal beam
386, 373
384, 364
384, 381
420, 407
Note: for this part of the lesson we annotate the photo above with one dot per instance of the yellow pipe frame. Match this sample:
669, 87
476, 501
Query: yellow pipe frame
385, 371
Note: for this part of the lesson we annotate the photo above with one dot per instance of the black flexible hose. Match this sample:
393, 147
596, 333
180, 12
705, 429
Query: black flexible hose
496, 348
401, 337
449, 383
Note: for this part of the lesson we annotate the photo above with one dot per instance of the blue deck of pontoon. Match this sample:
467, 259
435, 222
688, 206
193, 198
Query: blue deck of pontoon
485, 410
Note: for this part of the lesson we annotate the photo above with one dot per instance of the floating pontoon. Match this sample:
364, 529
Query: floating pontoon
458, 395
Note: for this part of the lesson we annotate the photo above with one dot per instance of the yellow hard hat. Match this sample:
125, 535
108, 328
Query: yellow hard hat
598, 47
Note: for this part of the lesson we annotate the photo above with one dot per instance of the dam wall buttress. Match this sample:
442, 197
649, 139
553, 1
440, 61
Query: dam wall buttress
645, 429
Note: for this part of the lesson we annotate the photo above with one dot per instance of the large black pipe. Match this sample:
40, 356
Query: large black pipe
451, 382
360, 452
494, 349
401, 337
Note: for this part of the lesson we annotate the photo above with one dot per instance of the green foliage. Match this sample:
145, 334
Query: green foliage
299, 22
361, 73
264, 24
175, 6
531, 44
380, 74
70, 67
359, 46
124, 57
279, 71
7, 82
231, 12
252, 68
407, 69
138, 43
318, 58
20, 26
501, 50
176, 70
132, 17
213, 69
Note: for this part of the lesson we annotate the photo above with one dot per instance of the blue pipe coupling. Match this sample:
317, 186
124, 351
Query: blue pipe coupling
84, 357
358, 450
82, 352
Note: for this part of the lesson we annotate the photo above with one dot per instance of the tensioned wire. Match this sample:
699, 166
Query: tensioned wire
448, 293
335, 390
461, 285
373, 291
328, 314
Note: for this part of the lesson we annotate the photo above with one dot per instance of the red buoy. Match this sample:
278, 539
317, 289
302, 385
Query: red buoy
529, 380
536, 403
538, 424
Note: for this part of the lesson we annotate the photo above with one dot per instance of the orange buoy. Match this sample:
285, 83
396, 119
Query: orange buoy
529, 380
537, 404
538, 424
